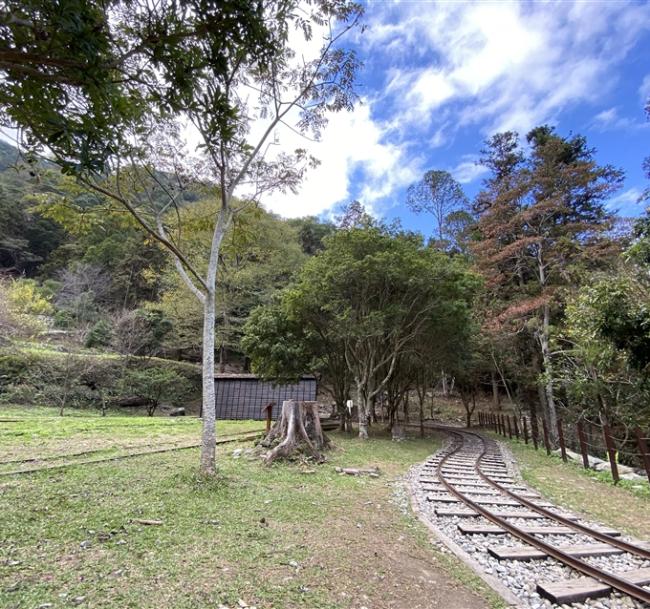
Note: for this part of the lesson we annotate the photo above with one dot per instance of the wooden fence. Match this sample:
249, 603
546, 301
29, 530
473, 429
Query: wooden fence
586, 438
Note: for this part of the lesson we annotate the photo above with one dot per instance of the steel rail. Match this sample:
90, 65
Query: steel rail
107, 448
616, 582
49, 467
613, 541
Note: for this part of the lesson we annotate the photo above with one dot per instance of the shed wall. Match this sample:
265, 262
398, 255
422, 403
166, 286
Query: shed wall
243, 398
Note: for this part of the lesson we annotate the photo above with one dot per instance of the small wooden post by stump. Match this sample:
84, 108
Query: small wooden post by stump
643, 451
525, 426
583, 444
503, 425
611, 451
560, 437
268, 410
547, 444
514, 420
509, 428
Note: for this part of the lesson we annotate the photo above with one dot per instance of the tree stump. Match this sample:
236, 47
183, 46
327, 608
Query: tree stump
297, 428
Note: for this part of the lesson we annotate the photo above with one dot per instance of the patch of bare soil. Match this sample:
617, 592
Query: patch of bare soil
371, 559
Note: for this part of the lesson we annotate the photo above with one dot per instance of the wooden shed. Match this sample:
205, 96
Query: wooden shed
242, 396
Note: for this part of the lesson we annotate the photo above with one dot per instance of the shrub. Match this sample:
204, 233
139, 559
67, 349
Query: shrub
156, 385
100, 335
140, 331
14, 369
26, 298
68, 379
22, 308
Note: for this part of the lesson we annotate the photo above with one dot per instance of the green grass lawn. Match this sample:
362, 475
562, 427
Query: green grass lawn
625, 506
290, 535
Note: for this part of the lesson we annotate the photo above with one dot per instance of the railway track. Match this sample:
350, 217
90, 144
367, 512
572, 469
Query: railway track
49, 463
470, 489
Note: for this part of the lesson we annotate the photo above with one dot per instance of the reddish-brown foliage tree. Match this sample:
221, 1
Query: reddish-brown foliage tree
542, 216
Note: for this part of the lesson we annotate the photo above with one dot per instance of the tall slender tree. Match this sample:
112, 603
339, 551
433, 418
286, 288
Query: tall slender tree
112, 86
439, 194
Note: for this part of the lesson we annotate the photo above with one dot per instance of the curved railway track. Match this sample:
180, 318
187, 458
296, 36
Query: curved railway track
472, 471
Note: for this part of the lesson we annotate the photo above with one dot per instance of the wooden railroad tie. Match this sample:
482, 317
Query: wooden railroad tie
530, 553
577, 590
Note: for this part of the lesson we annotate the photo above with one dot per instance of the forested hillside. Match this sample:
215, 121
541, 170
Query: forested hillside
87, 295
533, 294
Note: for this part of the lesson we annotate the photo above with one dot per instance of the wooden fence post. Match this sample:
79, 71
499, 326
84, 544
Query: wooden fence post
643, 451
514, 420
583, 444
509, 428
560, 436
525, 425
268, 409
611, 451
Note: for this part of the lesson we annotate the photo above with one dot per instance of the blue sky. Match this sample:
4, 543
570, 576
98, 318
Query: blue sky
440, 77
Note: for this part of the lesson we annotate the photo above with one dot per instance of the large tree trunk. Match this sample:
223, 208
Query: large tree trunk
421, 404
208, 405
364, 413
297, 428
548, 385
496, 398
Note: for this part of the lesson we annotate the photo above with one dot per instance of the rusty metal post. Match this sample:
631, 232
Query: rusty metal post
509, 428
525, 426
611, 451
643, 451
583, 444
514, 420
547, 444
560, 437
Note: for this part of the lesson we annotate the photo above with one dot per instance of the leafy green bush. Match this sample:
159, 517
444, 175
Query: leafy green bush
99, 335
156, 385
82, 380
14, 369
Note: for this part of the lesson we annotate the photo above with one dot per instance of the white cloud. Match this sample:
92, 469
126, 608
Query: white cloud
468, 170
610, 120
351, 142
644, 89
504, 65
607, 118
627, 203
445, 66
